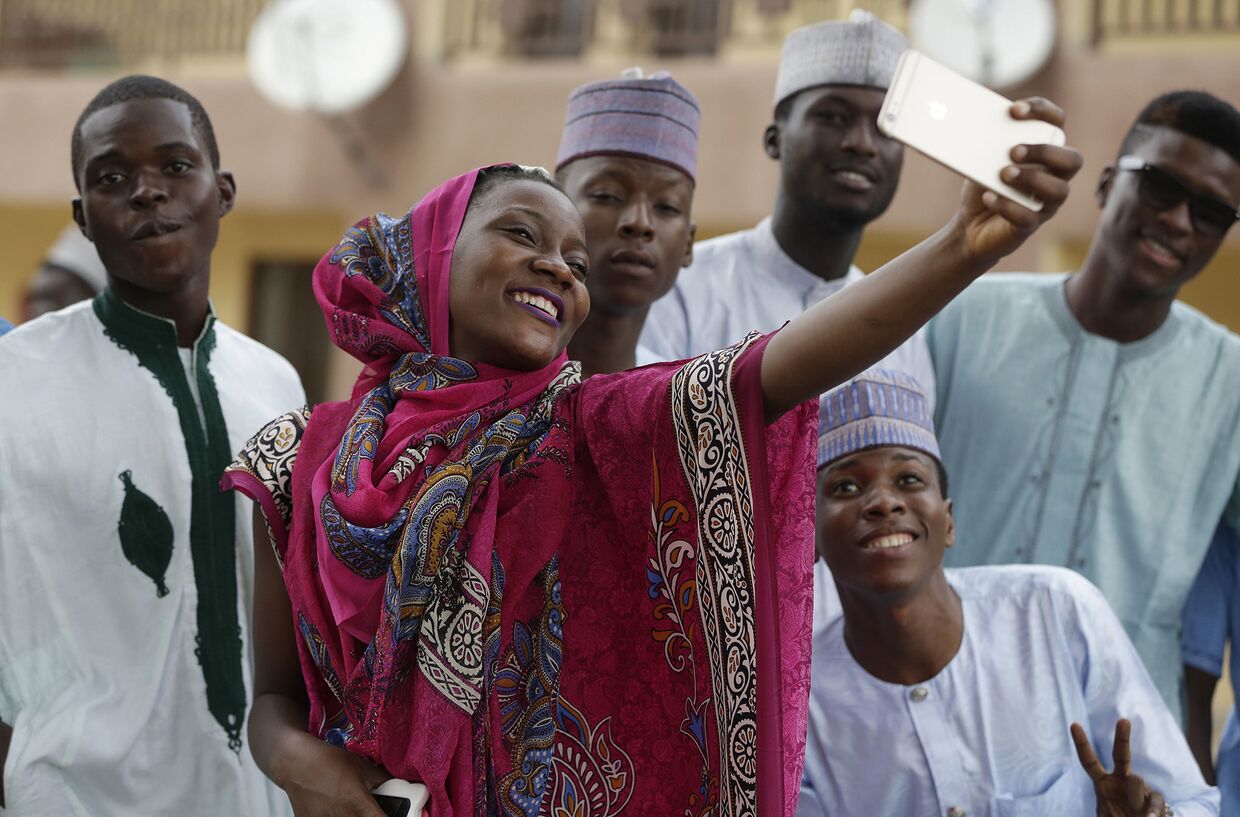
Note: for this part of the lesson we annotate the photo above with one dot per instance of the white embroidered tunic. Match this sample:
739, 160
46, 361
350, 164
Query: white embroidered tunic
126, 576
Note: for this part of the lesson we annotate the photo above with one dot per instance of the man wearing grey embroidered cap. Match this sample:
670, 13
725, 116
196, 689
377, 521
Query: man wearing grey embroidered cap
837, 174
70, 273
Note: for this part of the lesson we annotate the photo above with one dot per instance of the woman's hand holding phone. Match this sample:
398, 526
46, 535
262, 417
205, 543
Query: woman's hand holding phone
992, 226
322, 780
862, 323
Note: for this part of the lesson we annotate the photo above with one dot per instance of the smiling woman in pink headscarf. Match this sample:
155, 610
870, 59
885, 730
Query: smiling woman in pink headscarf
544, 596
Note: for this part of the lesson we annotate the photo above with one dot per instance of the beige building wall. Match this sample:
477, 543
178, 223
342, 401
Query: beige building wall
298, 187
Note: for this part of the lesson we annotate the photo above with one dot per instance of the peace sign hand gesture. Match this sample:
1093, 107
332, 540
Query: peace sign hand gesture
1120, 793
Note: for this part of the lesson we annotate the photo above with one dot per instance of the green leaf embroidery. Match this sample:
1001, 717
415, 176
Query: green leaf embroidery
145, 533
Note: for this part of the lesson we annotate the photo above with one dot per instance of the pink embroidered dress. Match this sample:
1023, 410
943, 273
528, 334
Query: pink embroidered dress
533, 594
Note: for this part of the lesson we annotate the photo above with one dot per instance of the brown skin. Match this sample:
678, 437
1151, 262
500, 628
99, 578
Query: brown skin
146, 170
820, 213
53, 288
1119, 793
523, 234
6, 737
639, 233
320, 780
1126, 286
1199, 719
902, 622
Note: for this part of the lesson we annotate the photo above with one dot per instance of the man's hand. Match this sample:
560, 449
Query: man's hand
994, 226
1120, 793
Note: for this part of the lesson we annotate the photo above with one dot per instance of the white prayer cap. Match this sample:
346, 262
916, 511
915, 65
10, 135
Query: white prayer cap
862, 51
75, 253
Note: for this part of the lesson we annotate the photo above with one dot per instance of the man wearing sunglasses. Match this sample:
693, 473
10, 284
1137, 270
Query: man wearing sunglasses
1092, 418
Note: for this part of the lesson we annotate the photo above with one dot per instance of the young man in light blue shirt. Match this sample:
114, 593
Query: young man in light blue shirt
1090, 419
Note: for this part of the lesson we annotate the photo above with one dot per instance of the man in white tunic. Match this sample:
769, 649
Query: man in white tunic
125, 574
837, 173
1091, 419
961, 693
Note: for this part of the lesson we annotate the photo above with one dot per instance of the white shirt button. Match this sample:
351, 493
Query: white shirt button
919, 694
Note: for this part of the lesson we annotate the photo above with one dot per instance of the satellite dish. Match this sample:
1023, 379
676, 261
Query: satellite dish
999, 43
327, 56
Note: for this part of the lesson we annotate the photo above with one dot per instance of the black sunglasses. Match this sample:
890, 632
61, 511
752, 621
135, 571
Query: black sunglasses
1162, 191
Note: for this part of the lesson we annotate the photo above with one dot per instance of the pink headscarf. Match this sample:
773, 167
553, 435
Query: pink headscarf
362, 287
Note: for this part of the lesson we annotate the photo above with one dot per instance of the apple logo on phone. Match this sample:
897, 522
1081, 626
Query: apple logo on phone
938, 111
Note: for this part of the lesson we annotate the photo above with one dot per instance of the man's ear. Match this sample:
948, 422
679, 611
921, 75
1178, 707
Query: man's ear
688, 257
950, 537
227, 187
1105, 178
770, 140
79, 218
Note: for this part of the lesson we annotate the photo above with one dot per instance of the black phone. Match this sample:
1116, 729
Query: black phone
393, 806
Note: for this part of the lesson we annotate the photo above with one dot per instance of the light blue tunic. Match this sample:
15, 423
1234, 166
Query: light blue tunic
1067, 448
1211, 619
988, 736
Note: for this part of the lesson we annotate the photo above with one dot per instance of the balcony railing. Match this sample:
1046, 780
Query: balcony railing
84, 33
1117, 20
666, 28
110, 33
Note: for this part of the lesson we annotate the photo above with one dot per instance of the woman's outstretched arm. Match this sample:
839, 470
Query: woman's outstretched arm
319, 779
861, 324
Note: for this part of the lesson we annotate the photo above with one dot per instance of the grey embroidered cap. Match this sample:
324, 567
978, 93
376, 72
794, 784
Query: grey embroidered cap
75, 253
860, 51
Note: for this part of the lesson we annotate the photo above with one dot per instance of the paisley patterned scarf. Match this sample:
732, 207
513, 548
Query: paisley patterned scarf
424, 426
538, 596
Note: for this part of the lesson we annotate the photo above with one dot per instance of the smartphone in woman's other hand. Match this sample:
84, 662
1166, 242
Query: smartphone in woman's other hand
400, 798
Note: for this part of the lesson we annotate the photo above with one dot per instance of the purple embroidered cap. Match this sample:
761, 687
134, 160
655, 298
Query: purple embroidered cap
860, 51
877, 407
652, 117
